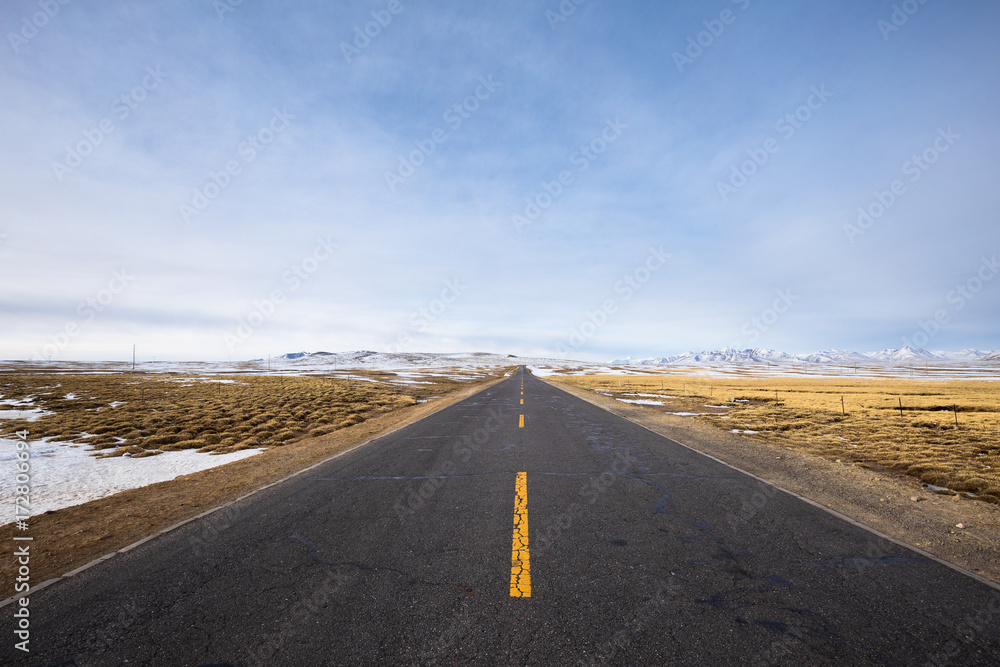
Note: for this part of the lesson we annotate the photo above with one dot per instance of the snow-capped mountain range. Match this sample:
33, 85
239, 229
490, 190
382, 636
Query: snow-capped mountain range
906, 356
902, 356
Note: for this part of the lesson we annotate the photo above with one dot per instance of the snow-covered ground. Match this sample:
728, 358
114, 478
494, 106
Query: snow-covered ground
303, 363
903, 356
904, 362
64, 474
20, 409
28, 415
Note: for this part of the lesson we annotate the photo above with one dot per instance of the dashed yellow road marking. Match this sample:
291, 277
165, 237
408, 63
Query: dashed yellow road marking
520, 424
520, 566
522, 401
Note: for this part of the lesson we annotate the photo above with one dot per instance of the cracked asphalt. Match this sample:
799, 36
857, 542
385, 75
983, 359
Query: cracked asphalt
400, 552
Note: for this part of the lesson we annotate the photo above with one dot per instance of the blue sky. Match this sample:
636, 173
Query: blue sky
209, 180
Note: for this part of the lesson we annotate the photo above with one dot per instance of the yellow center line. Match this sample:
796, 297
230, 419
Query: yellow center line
520, 566
522, 401
520, 424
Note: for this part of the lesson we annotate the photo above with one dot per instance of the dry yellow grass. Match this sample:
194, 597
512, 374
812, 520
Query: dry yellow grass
807, 415
146, 414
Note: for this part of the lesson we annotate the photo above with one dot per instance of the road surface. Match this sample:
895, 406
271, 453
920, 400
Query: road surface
547, 532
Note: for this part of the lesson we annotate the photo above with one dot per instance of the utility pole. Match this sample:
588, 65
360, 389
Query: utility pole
133, 356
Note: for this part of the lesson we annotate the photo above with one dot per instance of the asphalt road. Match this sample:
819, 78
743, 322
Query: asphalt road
618, 547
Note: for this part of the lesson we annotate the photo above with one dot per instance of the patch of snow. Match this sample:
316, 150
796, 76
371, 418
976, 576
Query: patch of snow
189, 382
29, 415
27, 400
63, 475
363, 378
650, 395
639, 401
